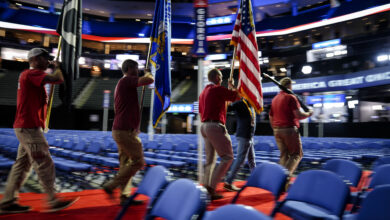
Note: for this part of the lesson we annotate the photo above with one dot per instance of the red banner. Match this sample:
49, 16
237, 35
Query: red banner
200, 3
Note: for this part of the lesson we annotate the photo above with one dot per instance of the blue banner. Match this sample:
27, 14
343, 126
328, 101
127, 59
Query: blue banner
367, 78
160, 58
333, 98
200, 43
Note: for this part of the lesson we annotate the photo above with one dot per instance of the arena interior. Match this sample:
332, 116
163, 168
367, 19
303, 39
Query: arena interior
336, 51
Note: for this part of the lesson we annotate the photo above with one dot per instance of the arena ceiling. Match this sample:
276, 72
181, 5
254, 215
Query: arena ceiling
144, 9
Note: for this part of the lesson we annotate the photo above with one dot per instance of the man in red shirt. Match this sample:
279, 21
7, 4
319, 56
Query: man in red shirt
284, 117
212, 109
29, 123
126, 128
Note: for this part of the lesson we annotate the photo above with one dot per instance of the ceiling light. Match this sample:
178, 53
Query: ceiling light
137, 19
306, 69
148, 14
330, 55
352, 103
41, 7
283, 69
377, 107
382, 58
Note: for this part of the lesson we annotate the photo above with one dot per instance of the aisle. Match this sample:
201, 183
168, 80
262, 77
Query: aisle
93, 204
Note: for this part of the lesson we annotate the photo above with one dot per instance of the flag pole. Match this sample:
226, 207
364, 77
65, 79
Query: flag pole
141, 107
232, 66
50, 104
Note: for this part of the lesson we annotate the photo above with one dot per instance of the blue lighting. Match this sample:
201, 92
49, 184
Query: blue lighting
216, 57
328, 43
220, 20
180, 108
325, 99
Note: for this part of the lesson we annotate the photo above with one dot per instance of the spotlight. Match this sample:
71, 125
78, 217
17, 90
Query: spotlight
306, 69
382, 58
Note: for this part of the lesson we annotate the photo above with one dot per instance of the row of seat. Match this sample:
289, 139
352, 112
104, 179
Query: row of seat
315, 194
82, 151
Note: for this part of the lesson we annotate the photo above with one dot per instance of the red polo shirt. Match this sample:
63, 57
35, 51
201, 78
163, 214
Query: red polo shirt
126, 104
212, 102
282, 110
31, 104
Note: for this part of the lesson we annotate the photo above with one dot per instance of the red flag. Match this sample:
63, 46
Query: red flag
244, 38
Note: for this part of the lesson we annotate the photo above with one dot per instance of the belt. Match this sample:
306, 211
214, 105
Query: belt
280, 127
214, 121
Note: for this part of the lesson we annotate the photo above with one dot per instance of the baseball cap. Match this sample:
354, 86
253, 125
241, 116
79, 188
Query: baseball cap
39, 51
286, 81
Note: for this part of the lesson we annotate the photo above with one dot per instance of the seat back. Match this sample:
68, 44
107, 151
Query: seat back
349, 171
381, 176
233, 212
380, 161
182, 199
268, 176
322, 188
376, 204
154, 180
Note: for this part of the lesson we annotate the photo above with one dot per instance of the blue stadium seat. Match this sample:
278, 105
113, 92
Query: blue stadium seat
315, 194
349, 171
234, 212
70, 165
379, 162
374, 206
154, 181
182, 199
268, 176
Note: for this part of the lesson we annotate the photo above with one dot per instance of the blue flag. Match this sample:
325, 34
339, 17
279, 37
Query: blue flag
160, 58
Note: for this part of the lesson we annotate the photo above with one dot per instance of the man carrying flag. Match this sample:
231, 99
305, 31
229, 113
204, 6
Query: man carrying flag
160, 58
33, 150
249, 87
70, 30
212, 110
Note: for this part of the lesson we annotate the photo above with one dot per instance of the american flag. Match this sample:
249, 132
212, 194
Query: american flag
244, 38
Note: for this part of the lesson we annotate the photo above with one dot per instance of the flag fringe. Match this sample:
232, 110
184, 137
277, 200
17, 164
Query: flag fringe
244, 95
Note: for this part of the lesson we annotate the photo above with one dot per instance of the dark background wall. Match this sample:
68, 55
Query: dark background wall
78, 119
